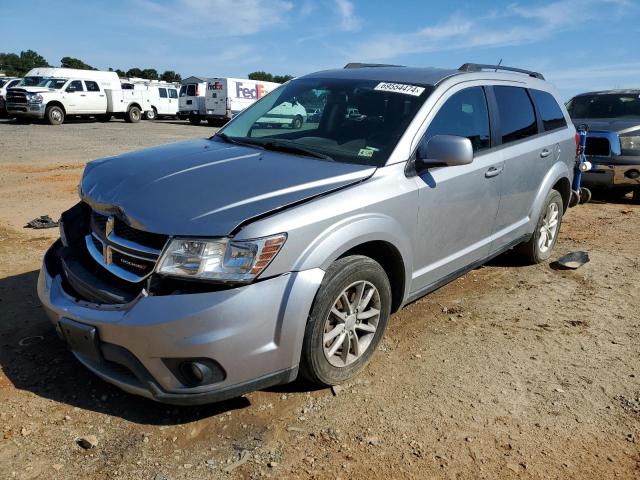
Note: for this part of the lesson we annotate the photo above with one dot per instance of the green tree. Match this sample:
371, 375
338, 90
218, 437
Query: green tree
260, 75
120, 73
70, 62
150, 74
18, 65
171, 76
134, 72
269, 77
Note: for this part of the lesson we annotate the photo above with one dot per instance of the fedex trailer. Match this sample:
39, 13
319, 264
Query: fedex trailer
227, 97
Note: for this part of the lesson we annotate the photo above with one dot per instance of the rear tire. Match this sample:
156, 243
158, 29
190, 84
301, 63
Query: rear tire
342, 335
544, 238
194, 120
54, 115
297, 123
212, 122
133, 115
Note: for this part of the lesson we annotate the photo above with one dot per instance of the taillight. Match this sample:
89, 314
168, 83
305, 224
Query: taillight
578, 152
197, 90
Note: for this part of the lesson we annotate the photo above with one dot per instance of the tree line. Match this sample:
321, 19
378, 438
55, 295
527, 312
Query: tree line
17, 65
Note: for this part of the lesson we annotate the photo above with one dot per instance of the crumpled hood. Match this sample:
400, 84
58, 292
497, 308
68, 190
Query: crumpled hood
620, 126
207, 187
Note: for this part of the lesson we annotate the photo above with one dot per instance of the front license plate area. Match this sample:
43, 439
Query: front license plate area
81, 338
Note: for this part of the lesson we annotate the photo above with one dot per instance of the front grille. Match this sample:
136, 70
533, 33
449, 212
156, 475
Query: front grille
16, 97
597, 146
126, 252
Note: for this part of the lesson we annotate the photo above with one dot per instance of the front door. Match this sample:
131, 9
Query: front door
457, 204
76, 97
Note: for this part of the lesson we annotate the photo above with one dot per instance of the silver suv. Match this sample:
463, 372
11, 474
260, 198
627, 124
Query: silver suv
197, 271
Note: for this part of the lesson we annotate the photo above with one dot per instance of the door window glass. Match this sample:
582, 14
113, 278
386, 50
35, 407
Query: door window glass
77, 85
91, 86
173, 93
517, 117
191, 90
162, 92
550, 111
465, 114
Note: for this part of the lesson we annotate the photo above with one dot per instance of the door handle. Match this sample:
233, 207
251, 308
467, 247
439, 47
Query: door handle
545, 153
102, 95
82, 95
493, 172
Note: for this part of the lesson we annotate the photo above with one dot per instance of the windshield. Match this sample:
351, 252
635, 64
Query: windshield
30, 81
354, 121
610, 105
56, 83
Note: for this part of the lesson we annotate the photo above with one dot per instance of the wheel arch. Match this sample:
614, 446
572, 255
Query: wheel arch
557, 176
56, 103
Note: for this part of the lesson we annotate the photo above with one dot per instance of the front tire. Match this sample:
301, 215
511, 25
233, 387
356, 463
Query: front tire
54, 115
544, 238
297, 123
151, 114
347, 321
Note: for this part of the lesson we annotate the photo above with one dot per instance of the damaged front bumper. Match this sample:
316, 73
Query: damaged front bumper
248, 337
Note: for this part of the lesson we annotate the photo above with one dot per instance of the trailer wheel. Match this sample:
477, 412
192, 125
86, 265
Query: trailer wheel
133, 115
193, 120
151, 114
54, 115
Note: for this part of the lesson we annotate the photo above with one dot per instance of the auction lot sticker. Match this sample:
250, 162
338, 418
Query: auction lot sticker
400, 88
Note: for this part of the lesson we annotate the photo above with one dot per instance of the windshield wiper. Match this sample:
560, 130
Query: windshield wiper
279, 146
236, 141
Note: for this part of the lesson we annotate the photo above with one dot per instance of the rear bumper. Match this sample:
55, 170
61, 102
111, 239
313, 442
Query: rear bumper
254, 333
26, 110
612, 176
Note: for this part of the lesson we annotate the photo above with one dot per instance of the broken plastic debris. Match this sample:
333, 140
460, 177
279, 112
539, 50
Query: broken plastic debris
45, 221
573, 260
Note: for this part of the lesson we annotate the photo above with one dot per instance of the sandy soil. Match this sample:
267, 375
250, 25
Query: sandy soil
510, 371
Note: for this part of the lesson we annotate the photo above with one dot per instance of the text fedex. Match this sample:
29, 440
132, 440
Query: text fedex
258, 91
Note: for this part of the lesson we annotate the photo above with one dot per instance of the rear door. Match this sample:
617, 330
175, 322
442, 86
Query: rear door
457, 204
188, 97
173, 101
527, 160
216, 101
163, 101
95, 100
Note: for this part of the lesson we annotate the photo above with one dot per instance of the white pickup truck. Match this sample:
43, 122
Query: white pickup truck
56, 93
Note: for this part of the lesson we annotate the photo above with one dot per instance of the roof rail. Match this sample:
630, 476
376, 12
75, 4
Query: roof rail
478, 67
366, 65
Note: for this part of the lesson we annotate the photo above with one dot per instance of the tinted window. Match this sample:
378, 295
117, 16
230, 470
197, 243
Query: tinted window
163, 92
609, 105
517, 117
77, 84
465, 114
191, 90
183, 90
549, 110
92, 86
173, 93
13, 83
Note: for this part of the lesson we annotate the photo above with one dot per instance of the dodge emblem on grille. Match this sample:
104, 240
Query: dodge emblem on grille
108, 229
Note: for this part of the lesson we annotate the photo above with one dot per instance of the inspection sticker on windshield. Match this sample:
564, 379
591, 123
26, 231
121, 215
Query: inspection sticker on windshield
366, 152
400, 88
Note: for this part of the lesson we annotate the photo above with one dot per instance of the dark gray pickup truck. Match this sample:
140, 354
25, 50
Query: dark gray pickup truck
613, 141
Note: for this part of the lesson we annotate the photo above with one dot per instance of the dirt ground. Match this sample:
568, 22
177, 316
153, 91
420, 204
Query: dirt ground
511, 371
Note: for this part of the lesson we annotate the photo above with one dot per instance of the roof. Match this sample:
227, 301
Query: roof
194, 78
423, 76
623, 91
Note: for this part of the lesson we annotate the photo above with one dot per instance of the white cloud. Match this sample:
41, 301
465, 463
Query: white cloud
349, 22
516, 25
213, 18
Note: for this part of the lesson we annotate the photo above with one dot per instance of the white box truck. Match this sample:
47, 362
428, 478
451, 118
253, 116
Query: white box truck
56, 93
227, 97
191, 102
160, 98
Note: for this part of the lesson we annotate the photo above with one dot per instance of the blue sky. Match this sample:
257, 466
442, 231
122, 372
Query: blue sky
578, 45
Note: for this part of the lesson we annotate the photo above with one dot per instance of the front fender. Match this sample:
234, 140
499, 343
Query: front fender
351, 232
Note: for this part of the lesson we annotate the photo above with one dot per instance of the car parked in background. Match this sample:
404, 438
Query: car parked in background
5, 84
191, 104
313, 115
613, 140
200, 270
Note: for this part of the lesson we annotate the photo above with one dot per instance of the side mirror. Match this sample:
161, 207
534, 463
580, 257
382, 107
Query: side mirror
444, 150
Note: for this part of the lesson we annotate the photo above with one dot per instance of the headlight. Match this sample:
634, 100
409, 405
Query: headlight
630, 145
223, 259
34, 98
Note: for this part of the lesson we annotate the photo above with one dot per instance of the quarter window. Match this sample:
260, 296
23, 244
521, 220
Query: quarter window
91, 86
465, 114
163, 92
517, 117
549, 110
